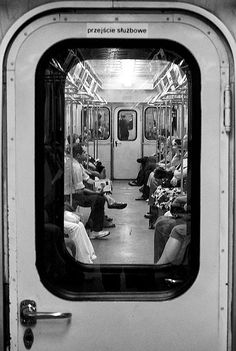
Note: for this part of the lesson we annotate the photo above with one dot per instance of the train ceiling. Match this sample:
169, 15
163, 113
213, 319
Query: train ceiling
127, 73
100, 69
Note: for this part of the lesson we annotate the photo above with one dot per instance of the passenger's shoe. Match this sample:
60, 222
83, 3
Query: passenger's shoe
133, 183
141, 189
117, 205
108, 225
98, 235
148, 215
109, 219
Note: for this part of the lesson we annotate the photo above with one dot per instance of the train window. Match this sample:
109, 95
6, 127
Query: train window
96, 124
79, 87
127, 125
151, 123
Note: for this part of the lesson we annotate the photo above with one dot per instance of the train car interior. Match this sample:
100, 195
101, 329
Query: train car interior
126, 105
127, 112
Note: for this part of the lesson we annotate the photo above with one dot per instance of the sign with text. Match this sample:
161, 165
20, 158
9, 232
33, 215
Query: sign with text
117, 30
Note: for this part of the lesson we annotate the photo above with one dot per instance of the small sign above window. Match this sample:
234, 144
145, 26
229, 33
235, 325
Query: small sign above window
120, 30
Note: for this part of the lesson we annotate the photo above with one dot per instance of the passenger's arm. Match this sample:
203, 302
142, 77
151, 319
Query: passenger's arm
177, 176
71, 217
92, 173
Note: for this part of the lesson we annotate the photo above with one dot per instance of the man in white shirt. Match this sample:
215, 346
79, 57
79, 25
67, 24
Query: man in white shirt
74, 177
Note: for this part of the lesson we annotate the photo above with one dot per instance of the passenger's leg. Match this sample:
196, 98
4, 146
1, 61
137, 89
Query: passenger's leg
146, 188
84, 249
163, 228
96, 202
154, 213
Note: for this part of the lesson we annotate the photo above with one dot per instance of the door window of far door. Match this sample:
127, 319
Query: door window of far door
127, 125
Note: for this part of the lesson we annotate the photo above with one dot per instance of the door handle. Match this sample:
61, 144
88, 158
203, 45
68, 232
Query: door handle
117, 142
29, 314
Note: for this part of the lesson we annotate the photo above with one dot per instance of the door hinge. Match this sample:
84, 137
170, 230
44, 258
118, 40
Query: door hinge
227, 108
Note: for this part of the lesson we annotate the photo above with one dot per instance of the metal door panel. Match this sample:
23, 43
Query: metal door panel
112, 325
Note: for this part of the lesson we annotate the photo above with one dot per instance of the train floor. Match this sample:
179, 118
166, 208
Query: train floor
131, 241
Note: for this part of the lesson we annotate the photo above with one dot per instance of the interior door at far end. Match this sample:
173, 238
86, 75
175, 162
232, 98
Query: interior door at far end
127, 143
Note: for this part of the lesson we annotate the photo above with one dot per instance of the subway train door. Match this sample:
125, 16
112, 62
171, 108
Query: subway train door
127, 143
56, 302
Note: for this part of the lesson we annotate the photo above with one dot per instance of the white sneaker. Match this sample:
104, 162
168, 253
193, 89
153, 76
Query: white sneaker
99, 235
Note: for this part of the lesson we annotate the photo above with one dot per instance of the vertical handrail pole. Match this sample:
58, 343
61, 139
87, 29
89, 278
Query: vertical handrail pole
71, 149
182, 149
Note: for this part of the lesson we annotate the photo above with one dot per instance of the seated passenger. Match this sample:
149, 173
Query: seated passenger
147, 164
174, 158
75, 177
73, 184
162, 178
174, 162
180, 172
165, 224
174, 173
74, 229
111, 203
176, 246
93, 167
169, 164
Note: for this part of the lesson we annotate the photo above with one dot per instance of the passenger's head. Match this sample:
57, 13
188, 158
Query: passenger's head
79, 152
178, 206
160, 173
176, 143
75, 138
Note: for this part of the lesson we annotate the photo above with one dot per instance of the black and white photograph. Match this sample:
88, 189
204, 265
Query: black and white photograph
117, 168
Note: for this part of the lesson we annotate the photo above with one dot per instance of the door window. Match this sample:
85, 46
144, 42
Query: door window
172, 119
127, 125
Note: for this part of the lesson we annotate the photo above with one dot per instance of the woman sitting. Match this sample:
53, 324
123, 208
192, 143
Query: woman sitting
75, 231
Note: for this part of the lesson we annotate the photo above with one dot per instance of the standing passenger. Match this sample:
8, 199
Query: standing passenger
123, 128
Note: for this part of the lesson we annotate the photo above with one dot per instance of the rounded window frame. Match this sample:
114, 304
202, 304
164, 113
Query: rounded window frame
114, 277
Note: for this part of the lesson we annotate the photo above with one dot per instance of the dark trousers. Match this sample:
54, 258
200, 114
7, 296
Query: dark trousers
146, 188
96, 202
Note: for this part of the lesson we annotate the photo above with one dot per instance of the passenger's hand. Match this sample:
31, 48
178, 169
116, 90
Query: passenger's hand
173, 181
102, 187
